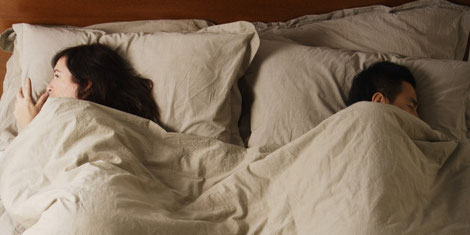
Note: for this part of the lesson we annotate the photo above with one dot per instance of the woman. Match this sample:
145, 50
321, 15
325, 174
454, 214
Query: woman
95, 73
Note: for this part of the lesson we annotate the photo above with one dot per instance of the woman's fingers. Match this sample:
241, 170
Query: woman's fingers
42, 100
25, 107
25, 93
19, 94
27, 89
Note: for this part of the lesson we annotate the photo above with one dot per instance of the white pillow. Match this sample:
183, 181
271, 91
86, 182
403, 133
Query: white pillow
12, 80
296, 87
429, 28
194, 74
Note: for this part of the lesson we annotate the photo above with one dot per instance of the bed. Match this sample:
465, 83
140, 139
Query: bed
254, 134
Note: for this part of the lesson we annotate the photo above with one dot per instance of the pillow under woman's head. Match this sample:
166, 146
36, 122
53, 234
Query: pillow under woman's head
194, 74
13, 79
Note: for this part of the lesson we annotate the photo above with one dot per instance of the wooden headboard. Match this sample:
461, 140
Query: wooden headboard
87, 12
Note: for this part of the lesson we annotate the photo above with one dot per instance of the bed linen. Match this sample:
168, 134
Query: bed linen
82, 168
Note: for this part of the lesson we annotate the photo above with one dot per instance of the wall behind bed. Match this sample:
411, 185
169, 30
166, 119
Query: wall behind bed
87, 12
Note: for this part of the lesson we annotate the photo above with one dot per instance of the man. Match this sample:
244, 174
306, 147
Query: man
388, 83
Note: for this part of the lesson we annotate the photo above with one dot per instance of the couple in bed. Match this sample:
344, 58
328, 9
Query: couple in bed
97, 73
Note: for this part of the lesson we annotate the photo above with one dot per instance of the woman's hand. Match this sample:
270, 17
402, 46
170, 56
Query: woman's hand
25, 108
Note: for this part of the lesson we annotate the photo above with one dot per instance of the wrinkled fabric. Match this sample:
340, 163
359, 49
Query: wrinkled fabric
428, 28
82, 168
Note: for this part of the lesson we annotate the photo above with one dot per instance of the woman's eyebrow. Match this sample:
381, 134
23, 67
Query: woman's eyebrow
56, 70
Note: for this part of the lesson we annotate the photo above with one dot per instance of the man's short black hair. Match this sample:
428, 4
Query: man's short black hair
384, 77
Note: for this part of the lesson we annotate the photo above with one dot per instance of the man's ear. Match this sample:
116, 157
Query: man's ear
380, 98
88, 86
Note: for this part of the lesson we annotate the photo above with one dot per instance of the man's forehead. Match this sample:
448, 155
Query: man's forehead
409, 90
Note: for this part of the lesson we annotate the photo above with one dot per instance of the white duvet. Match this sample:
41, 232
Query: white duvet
81, 168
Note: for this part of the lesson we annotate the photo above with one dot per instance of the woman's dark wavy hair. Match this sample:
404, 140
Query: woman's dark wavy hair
384, 77
114, 82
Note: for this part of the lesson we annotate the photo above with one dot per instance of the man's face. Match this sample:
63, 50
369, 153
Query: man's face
406, 99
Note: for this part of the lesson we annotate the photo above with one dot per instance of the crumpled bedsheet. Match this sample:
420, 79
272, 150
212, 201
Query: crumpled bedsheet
82, 168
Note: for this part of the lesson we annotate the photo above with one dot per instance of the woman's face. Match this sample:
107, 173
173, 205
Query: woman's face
62, 85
